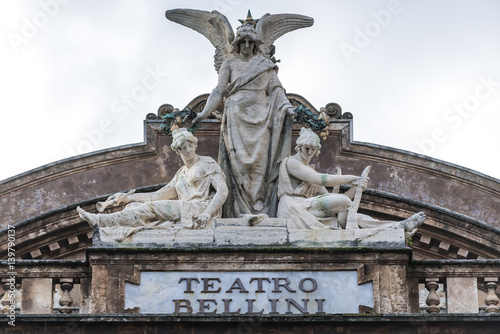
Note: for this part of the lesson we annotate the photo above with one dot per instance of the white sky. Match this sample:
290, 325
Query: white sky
406, 70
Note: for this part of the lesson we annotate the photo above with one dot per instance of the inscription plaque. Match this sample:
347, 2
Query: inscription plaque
244, 292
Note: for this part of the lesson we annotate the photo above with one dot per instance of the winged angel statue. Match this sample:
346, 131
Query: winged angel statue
216, 27
257, 116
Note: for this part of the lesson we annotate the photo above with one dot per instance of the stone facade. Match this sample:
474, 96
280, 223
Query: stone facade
240, 236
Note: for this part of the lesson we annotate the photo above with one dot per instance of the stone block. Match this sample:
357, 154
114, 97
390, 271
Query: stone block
462, 295
347, 238
54, 247
444, 247
159, 238
462, 253
36, 254
250, 235
37, 296
204, 236
150, 236
425, 240
269, 222
73, 242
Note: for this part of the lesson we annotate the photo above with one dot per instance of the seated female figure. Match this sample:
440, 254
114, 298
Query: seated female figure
305, 199
193, 198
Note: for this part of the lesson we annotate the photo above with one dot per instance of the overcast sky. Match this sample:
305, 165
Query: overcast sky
81, 75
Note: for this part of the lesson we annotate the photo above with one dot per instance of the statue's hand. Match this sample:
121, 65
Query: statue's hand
291, 112
115, 197
202, 115
362, 182
202, 220
120, 197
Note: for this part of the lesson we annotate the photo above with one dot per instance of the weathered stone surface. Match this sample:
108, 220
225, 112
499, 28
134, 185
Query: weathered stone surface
250, 235
268, 222
150, 236
307, 204
348, 238
161, 237
37, 296
462, 296
204, 236
257, 125
99, 289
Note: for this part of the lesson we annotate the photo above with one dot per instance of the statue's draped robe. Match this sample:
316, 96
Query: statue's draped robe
294, 203
194, 192
255, 137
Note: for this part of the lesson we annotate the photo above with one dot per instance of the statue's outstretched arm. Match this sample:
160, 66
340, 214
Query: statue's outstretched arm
165, 193
307, 174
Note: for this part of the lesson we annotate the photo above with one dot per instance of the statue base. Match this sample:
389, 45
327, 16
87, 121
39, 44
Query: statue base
269, 232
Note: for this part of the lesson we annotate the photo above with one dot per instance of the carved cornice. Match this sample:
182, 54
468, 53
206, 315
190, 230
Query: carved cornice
417, 162
75, 165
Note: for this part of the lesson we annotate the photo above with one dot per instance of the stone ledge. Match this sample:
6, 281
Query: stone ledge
370, 318
378, 324
269, 232
145, 250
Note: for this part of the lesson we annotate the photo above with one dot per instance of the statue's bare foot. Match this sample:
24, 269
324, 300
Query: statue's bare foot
411, 224
91, 218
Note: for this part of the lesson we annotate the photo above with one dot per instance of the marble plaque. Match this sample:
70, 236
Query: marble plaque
238, 292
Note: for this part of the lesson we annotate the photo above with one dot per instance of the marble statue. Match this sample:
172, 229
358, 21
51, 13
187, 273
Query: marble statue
191, 200
304, 199
257, 116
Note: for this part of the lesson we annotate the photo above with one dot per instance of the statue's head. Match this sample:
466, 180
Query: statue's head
308, 138
246, 31
180, 136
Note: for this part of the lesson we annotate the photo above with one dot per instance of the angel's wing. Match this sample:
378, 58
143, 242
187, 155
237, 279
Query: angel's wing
272, 27
213, 25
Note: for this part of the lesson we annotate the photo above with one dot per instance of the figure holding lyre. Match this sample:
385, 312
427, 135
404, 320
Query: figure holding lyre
305, 199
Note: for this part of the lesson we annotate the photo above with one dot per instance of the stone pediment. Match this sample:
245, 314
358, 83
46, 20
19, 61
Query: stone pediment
452, 230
